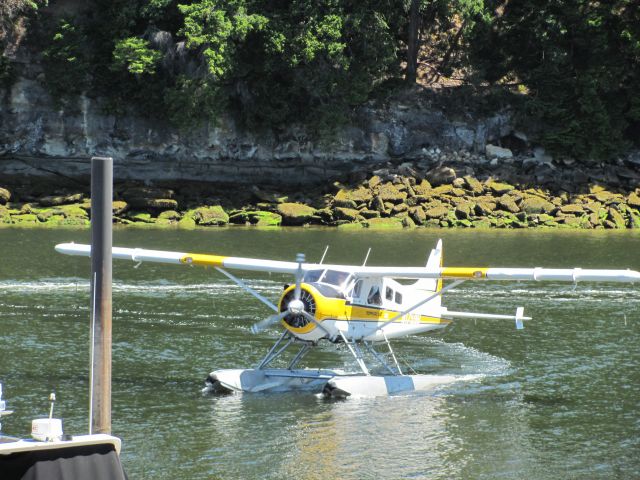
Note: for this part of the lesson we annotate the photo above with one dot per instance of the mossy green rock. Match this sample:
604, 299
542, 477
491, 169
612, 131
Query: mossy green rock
385, 223
25, 219
633, 200
55, 200
388, 192
498, 188
533, 204
422, 188
143, 217
295, 213
616, 217
484, 207
572, 209
437, 212
170, 215
473, 185
418, 215
5, 196
508, 204
348, 214
210, 216
352, 198
259, 218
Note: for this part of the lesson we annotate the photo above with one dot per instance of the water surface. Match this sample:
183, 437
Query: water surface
559, 399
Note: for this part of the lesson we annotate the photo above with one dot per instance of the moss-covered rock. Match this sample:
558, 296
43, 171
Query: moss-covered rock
5, 196
348, 214
508, 204
484, 207
422, 188
572, 209
533, 204
473, 185
498, 188
389, 192
437, 212
418, 215
616, 217
143, 217
55, 200
210, 216
369, 213
464, 210
633, 200
384, 223
25, 219
170, 215
351, 198
295, 213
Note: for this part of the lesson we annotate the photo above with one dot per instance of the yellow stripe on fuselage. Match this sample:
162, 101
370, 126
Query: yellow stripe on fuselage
463, 272
203, 260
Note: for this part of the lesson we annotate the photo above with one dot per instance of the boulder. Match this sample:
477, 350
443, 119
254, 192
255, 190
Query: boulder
210, 216
508, 204
473, 185
616, 218
464, 210
350, 198
418, 215
56, 200
349, 214
493, 151
5, 196
422, 188
633, 200
295, 213
388, 192
441, 175
572, 209
498, 188
437, 212
533, 204
484, 207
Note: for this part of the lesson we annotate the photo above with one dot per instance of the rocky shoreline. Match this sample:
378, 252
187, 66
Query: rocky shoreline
444, 190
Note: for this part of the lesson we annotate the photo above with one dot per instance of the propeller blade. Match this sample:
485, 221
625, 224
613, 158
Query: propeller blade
300, 258
267, 322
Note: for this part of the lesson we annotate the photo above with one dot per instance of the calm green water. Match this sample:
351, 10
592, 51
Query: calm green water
558, 400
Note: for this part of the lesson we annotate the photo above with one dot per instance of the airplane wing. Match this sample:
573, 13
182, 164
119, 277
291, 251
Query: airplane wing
259, 265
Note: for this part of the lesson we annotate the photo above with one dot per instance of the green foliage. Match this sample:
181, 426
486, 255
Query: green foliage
65, 59
573, 65
580, 62
134, 55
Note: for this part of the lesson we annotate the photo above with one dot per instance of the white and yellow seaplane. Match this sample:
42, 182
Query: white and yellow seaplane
361, 306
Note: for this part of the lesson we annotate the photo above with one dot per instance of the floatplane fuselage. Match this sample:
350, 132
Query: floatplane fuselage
361, 306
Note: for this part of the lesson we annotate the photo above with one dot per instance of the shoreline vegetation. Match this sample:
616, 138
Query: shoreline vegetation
462, 193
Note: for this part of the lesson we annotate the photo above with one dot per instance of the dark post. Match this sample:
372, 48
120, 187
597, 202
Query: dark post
101, 242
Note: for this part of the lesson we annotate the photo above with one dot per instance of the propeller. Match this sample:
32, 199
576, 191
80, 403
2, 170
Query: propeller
294, 307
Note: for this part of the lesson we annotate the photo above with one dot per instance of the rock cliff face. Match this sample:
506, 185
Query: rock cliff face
39, 138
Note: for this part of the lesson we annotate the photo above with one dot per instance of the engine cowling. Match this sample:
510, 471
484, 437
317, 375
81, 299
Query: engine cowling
322, 307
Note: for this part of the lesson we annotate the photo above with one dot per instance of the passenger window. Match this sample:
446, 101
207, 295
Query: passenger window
388, 294
398, 298
374, 297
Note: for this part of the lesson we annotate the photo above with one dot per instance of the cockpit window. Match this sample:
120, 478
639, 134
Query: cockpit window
312, 276
333, 277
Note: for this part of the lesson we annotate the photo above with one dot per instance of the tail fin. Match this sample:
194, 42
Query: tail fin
434, 261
